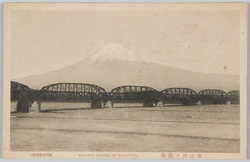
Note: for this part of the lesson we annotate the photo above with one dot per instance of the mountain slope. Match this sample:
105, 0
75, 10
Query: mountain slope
115, 66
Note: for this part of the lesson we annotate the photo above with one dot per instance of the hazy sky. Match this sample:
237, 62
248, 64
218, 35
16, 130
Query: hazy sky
204, 41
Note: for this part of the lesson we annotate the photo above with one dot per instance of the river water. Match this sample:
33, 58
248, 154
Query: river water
199, 128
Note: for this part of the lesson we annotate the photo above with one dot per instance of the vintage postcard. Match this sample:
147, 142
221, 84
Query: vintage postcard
125, 80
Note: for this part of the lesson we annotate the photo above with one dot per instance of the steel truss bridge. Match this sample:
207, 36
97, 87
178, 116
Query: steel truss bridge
97, 96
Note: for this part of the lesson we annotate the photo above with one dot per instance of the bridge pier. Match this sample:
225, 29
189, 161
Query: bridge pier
23, 106
39, 107
35, 107
161, 103
110, 104
96, 104
148, 104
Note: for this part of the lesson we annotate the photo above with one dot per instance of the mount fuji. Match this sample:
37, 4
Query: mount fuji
116, 52
114, 65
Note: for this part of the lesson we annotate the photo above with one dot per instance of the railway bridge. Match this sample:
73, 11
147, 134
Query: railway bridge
23, 96
134, 94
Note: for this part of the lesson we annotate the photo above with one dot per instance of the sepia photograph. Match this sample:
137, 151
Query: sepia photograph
125, 80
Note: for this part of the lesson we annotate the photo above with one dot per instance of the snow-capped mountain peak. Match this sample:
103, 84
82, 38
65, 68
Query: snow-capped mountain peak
117, 52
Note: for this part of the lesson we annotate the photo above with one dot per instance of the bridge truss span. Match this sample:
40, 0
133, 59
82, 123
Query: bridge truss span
19, 91
75, 87
212, 96
233, 97
144, 94
22, 95
74, 92
185, 96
